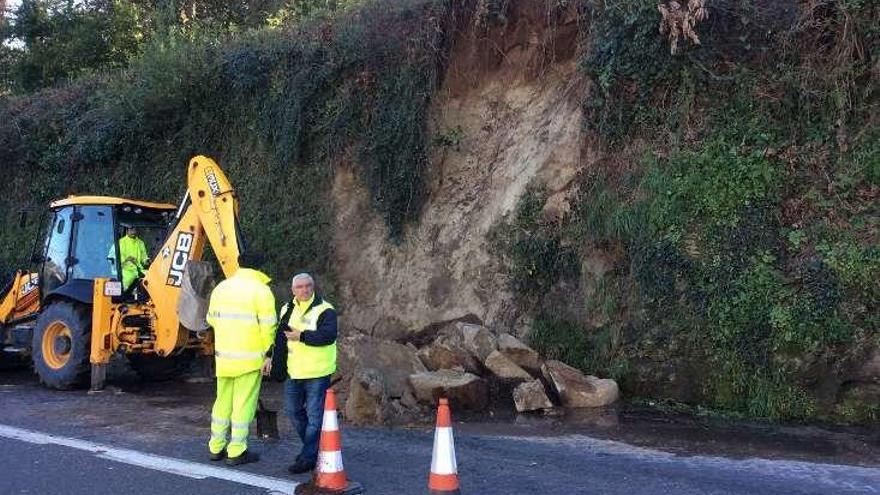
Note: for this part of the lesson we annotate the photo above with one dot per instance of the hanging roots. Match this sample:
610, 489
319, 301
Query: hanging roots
678, 22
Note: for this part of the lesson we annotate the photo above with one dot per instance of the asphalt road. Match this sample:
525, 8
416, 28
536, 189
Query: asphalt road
151, 440
53, 470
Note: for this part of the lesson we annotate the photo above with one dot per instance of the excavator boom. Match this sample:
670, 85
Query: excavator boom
208, 213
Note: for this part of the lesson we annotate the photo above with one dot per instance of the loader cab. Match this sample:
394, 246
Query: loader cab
82, 241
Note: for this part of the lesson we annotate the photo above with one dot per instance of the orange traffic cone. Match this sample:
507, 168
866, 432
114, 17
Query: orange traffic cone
329, 476
444, 469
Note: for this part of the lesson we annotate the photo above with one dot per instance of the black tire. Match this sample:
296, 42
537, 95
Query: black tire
64, 329
159, 369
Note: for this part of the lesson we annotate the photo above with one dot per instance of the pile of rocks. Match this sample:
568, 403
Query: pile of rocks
385, 381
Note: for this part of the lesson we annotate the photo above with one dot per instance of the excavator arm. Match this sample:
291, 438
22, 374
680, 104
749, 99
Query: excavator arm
207, 214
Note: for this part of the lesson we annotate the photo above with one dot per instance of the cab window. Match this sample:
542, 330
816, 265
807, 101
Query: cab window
95, 245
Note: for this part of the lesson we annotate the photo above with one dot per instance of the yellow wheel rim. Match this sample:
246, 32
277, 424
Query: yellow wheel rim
56, 345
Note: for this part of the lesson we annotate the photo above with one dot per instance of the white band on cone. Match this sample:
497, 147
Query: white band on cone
330, 422
330, 462
443, 458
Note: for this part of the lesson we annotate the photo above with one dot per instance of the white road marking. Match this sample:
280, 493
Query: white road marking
179, 467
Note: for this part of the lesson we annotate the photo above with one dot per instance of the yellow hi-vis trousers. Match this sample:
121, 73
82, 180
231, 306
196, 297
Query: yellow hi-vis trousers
234, 409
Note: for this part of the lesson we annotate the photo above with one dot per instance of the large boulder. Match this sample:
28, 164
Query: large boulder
367, 400
578, 390
531, 396
394, 361
519, 353
459, 345
476, 339
502, 367
444, 354
464, 390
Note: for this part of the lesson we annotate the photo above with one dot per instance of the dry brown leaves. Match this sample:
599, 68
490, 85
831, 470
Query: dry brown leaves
679, 23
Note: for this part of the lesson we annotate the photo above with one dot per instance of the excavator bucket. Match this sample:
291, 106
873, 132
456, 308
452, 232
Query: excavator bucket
195, 291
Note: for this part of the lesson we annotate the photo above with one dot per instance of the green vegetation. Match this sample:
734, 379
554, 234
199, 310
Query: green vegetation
532, 248
748, 230
277, 109
47, 42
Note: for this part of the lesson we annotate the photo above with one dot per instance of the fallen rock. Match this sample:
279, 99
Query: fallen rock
446, 355
409, 400
502, 367
578, 390
531, 396
464, 390
394, 361
402, 414
367, 400
519, 353
476, 339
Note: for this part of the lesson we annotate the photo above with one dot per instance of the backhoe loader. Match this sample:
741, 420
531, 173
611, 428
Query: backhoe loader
70, 313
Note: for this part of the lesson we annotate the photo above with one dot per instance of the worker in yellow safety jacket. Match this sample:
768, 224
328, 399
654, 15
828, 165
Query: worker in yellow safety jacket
309, 327
242, 313
133, 257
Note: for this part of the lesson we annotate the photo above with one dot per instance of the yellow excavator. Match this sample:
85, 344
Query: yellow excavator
70, 313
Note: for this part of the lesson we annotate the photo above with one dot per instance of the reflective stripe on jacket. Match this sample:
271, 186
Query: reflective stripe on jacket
314, 355
242, 313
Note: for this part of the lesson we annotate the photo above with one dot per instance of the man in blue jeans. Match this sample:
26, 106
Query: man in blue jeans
309, 323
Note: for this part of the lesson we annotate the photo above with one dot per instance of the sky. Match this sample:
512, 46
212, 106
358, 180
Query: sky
11, 4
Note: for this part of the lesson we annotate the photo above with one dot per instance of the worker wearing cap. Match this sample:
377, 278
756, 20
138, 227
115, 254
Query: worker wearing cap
310, 327
242, 314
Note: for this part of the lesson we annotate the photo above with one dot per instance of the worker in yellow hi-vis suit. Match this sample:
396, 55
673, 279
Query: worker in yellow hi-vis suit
242, 313
132, 257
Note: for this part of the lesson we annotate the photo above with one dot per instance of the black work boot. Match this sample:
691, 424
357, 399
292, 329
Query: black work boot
219, 456
300, 466
246, 457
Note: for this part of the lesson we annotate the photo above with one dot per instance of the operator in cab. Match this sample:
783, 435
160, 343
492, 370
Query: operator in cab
133, 256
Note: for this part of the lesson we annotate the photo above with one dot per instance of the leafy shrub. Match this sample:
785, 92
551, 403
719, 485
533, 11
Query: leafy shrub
277, 109
532, 248
745, 238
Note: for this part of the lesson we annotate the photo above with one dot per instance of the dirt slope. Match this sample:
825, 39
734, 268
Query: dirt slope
508, 114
